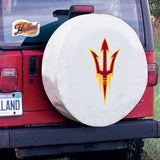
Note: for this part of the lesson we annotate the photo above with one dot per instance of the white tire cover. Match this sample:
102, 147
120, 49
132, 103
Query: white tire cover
75, 86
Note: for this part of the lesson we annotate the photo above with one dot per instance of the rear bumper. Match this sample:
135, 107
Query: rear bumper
78, 134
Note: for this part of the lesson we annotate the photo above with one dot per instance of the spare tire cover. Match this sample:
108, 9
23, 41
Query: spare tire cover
94, 69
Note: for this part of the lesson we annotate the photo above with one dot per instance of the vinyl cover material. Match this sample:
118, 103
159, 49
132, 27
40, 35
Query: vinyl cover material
94, 69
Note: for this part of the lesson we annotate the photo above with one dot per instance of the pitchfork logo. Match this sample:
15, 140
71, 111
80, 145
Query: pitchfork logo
106, 74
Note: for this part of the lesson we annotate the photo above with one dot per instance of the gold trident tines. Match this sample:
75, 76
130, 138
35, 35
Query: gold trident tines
104, 75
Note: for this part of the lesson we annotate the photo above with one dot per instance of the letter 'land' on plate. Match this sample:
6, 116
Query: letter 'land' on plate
9, 105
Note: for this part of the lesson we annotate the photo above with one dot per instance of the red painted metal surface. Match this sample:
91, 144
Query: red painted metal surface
34, 97
146, 106
33, 118
150, 57
36, 106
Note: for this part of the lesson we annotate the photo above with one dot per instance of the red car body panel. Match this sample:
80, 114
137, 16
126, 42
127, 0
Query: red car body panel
37, 109
34, 97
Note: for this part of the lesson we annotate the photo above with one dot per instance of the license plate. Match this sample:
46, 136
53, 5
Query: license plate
11, 104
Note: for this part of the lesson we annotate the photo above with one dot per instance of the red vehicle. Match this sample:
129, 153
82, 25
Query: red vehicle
29, 122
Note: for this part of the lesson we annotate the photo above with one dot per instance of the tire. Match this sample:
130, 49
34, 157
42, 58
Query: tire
75, 81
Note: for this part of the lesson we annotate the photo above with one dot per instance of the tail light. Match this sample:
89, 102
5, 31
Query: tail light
82, 9
152, 74
76, 10
8, 80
